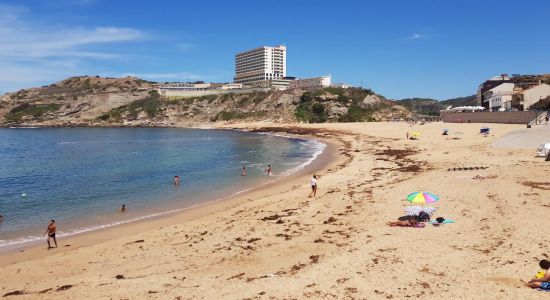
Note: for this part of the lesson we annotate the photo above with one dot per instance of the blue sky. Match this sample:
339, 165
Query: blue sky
399, 48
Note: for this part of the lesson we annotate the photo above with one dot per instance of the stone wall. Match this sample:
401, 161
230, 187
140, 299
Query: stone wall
505, 117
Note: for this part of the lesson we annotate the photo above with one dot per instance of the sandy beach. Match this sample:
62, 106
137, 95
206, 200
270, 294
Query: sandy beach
276, 243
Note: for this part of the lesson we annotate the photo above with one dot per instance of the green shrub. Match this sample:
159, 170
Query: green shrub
32, 110
311, 112
243, 101
258, 97
150, 105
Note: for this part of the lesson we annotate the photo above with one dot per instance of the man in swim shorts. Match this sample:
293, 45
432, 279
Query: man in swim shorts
176, 180
50, 231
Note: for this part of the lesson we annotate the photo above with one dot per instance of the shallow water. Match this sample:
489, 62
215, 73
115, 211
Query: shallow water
81, 176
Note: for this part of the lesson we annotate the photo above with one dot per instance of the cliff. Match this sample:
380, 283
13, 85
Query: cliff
96, 101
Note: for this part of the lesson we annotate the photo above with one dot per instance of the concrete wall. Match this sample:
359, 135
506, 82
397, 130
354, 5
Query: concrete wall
504, 117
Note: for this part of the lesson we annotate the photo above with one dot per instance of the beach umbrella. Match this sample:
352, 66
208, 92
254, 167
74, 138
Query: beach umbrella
422, 198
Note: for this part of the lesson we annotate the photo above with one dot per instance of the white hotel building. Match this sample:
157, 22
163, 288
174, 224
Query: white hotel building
263, 67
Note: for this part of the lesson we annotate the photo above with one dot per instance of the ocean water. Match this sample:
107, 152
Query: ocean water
81, 176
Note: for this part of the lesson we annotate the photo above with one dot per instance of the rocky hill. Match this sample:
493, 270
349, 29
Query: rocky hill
96, 101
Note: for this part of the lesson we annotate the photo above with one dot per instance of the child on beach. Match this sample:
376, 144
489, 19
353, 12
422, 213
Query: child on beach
268, 171
542, 278
313, 186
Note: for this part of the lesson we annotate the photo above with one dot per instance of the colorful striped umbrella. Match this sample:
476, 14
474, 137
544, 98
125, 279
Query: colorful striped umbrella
422, 198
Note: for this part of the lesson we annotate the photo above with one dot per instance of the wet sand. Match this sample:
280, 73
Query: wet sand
277, 243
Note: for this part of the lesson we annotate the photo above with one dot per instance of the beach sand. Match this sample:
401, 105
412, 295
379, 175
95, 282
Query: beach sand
276, 243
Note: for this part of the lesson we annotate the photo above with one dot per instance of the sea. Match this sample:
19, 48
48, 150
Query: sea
80, 177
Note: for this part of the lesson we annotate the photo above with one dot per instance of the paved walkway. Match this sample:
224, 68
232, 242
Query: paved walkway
526, 138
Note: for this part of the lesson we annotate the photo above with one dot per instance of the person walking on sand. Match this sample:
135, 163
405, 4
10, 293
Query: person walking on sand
268, 171
244, 171
313, 186
50, 231
176, 180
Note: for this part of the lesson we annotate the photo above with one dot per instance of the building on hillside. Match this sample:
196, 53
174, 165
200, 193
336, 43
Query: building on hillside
487, 85
499, 97
263, 67
341, 85
187, 89
310, 83
231, 86
524, 99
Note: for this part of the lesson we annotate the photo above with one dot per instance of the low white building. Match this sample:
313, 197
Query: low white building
231, 86
499, 97
310, 83
341, 85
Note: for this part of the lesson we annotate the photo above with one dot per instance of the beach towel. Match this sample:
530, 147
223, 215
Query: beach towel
444, 222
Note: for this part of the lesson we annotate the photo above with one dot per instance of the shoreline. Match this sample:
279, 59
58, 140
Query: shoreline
27, 251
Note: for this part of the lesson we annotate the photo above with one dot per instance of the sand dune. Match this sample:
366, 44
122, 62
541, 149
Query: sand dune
279, 244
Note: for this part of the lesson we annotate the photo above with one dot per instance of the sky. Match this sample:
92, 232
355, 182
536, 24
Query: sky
399, 48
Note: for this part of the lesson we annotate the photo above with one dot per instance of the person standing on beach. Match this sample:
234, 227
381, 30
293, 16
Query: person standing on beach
244, 171
268, 171
50, 231
313, 186
176, 180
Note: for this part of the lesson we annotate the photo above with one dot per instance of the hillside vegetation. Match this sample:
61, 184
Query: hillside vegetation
96, 101
431, 107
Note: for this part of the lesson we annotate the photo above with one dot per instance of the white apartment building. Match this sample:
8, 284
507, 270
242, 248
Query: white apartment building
310, 83
261, 67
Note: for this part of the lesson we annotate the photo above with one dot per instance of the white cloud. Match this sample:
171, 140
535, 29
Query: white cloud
417, 36
23, 42
34, 54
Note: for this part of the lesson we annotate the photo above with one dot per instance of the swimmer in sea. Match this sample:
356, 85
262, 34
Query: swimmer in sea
123, 208
268, 171
244, 171
176, 180
50, 231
